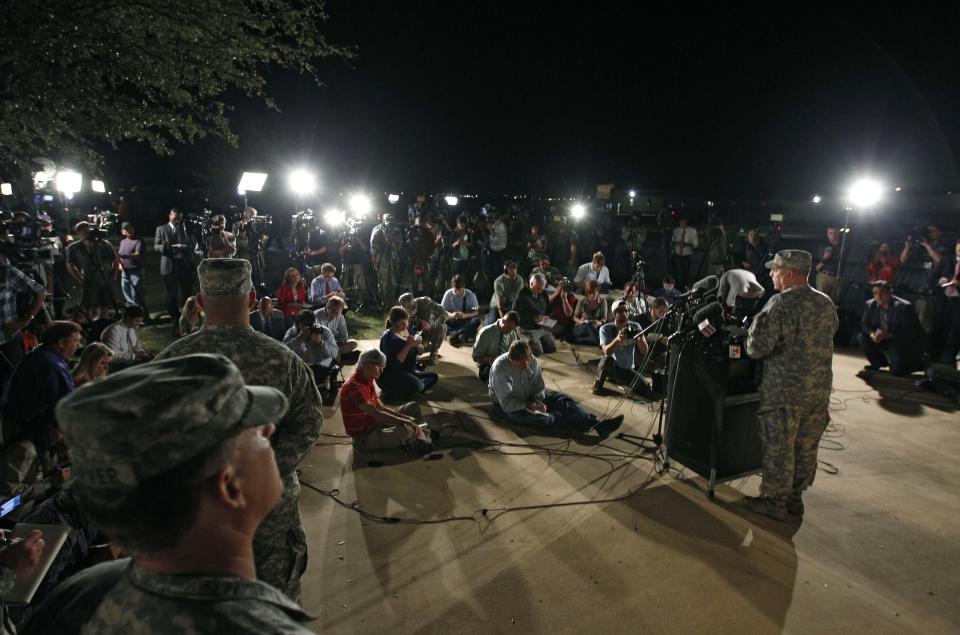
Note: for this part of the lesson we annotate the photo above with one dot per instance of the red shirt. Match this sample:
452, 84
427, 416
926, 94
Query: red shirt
288, 302
354, 393
883, 269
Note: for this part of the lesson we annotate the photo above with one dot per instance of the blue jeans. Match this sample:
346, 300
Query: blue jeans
903, 358
463, 328
397, 383
131, 283
586, 333
563, 415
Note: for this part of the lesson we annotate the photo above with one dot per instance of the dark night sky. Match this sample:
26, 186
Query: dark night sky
492, 97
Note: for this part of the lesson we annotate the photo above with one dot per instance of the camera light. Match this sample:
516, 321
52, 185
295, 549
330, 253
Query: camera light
865, 193
578, 211
6, 189
69, 182
816, 199
302, 182
451, 200
393, 198
334, 217
633, 194
98, 186
360, 204
252, 182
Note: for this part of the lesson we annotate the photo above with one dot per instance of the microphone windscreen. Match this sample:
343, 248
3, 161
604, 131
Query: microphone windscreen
707, 284
712, 312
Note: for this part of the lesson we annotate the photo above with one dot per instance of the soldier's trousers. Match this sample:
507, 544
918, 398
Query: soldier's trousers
388, 278
789, 438
280, 544
353, 280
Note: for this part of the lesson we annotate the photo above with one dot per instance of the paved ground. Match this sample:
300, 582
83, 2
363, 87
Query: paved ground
625, 549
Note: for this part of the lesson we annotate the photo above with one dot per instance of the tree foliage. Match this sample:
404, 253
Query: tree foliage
77, 72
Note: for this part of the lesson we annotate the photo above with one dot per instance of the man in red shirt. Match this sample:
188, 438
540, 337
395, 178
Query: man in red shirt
372, 425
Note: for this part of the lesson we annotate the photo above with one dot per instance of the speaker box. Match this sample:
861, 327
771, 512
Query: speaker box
711, 418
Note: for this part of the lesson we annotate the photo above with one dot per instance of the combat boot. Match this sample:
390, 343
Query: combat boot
770, 507
795, 504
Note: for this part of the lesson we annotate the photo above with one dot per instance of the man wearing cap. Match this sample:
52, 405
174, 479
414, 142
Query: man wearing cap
174, 461
131, 255
620, 341
427, 317
793, 335
227, 296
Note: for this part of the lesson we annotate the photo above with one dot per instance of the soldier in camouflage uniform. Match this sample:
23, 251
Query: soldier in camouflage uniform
793, 335
173, 460
427, 310
280, 545
386, 242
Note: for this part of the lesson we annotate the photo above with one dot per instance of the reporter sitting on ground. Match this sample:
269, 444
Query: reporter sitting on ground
668, 291
268, 320
519, 395
372, 425
315, 345
656, 337
123, 338
590, 315
462, 310
33, 465
173, 461
635, 300
596, 270
19, 562
561, 306
531, 306
427, 318
620, 342
331, 316
94, 363
890, 333
494, 340
400, 377
325, 286
505, 290
191, 317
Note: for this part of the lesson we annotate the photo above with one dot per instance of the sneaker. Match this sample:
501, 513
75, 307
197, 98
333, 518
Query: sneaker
795, 504
455, 340
597, 387
607, 426
765, 506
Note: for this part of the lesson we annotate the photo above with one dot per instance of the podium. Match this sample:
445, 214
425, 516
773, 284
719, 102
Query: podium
711, 410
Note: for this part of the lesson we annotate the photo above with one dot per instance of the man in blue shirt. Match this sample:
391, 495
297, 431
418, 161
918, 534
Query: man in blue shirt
463, 311
619, 342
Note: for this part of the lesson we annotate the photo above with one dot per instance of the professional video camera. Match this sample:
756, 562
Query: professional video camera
29, 239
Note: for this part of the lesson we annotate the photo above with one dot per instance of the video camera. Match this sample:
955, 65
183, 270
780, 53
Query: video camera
27, 237
565, 284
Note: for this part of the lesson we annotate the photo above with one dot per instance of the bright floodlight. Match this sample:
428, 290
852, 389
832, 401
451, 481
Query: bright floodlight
393, 198
69, 182
98, 186
578, 211
865, 193
252, 181
359, 204
334, 217
451, 200
816, 199
6, 189
633, 194
302, 182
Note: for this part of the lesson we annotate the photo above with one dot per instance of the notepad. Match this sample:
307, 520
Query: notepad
53, 537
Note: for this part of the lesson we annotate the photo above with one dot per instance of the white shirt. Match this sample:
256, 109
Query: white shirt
587, 272
498, 237
685, 235
123, 340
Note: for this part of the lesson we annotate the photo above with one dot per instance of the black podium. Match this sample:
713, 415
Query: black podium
712, 402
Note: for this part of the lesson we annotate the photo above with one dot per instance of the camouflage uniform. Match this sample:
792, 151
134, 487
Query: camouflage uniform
793, 334
157, 603
280, 544
385, 245
433, 314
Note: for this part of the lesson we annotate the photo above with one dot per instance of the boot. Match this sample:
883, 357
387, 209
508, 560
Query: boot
795, 504
770, 507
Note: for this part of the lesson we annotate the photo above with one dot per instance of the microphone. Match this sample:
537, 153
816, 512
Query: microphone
707, 317
701, 288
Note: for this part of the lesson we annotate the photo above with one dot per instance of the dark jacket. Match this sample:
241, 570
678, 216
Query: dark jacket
165, 237
274, 326
901, 321
529, 307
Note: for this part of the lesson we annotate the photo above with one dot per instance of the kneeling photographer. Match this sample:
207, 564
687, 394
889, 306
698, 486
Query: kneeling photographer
620, 341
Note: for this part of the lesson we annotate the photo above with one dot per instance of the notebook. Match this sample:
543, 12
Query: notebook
53, 537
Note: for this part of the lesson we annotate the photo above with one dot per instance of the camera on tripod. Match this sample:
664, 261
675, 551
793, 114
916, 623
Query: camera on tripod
28, 238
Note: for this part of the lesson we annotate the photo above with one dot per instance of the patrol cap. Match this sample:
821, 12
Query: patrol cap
224, 276
146, 420
796, 259
406, 301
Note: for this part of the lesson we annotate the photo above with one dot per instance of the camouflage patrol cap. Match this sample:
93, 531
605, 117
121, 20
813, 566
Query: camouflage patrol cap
406, 301
224, 276
148, 419
796, 259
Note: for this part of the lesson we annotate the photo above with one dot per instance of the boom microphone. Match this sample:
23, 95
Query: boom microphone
701, 288
708, 318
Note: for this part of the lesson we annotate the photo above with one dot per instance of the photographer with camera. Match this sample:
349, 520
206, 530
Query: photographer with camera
176, 264
220, 242
15, 283
562, 304
828, 268
620, 341
93, 263
933, 252
315, 344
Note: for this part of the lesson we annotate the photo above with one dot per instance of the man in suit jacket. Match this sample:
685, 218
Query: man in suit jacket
891, 334
176, 263
268, 320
